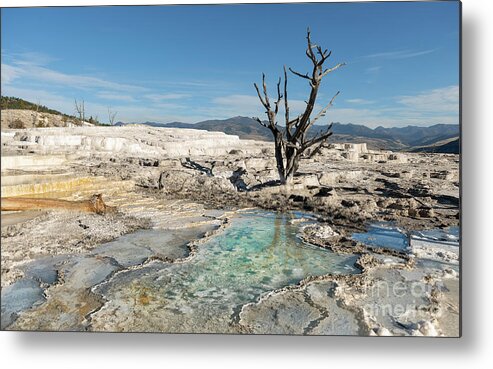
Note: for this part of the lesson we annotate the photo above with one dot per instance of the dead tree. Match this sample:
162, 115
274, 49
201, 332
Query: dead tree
111, 116
292, 141
94, 205
80, 109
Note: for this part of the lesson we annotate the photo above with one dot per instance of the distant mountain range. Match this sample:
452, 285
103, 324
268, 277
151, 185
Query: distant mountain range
436, 138
440, 138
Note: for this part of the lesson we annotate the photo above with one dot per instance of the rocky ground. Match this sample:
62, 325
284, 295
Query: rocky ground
23, 118
346, 186
181, 179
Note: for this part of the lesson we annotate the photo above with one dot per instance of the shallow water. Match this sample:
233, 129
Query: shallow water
83, 271
449, 235
387, 235
19, 296
384, 235
259, 252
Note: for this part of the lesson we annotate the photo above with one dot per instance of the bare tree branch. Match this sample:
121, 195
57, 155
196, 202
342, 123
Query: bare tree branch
293, 145
305, 76
260, 96
309, 50
80, 110
260, 122
265, 92
111, 116
286, 106
327, 71
324, 110
316, 150
320, 138
266, 103
279, 96
290, 143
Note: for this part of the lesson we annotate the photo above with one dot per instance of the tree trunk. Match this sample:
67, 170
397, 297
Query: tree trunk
292, 168
94, 205
279, 159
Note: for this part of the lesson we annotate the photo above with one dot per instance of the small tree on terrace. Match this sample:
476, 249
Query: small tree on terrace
111, 116
80, 109
291, 141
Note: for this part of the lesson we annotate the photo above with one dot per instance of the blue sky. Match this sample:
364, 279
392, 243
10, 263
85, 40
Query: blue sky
192, 63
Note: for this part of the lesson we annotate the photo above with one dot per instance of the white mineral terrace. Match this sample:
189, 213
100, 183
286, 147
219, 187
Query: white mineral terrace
59, 144
130, 140
44, 160
147, 271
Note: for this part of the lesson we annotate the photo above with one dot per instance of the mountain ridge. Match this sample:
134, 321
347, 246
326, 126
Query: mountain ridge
434, 138
394, 138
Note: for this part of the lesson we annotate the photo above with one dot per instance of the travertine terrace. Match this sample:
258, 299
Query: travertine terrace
189, 183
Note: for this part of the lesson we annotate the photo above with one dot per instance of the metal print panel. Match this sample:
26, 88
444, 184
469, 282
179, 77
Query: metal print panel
237, 169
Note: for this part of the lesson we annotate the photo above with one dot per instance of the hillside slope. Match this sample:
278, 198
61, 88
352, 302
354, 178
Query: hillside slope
18, 113
15, 103
397, 138
450, 146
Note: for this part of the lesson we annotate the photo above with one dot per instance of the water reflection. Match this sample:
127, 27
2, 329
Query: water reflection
258, 252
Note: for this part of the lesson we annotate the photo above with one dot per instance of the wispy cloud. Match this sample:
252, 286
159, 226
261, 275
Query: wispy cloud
359, 101
9, 73
171, 106
424, 108
438, 100
440, 105
398, 54
31, 58
398, 113
65, 104
233, 105
117, 97
127, 112
31, 66
249, 105
373, 70
30, 76
44, 74
165, 97
395, 118
182, 83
